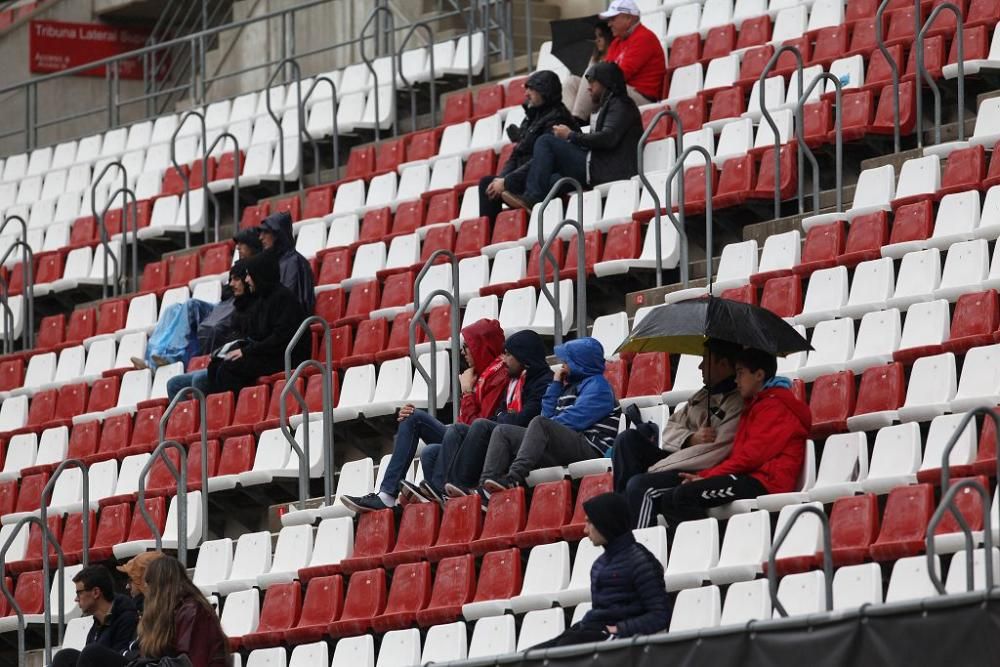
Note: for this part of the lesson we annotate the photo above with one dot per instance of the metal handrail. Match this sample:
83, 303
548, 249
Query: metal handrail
179, 474
657, 232
8, 317
430, 379
772, 575
948, 504
279, 69
893, 67
363, 36
186, 179
43, 510
303, 451
581, 278
198, 396
103, 229
709, 192
808, 152
47, 538
237, 168
409, 86
957, 433
28, 291
935, 90
305, 130
27, 258
546, 254
766, 114
125, 193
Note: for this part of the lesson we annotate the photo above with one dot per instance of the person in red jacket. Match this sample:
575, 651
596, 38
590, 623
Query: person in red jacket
483, 384
767, 453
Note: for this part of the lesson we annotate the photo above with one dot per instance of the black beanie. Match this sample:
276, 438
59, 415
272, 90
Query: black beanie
609, 514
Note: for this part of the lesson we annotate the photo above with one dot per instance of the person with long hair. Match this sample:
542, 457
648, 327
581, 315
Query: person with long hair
177, 620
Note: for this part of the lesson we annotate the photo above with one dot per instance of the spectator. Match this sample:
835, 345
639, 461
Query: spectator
697, 436
239, 305
767, 452
178, 620
626, 581
607, 153
135, 569
454, 465
217, 328
579, 421
636, 50
115, 619
482, 390
582, 106
265, 330
296, 273
543, 109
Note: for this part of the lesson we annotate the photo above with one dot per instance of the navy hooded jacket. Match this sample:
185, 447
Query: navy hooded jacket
296, 274
529, 349
586, 402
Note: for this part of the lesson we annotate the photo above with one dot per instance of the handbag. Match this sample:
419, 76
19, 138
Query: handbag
181, 661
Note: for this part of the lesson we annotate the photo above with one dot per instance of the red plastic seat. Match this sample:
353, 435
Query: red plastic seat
50, 267
478, 165
83, 232
173, 180
83, 439
198, 363
116, 435
662, 128
753, 63
335, 266
364, 601
505, 518
985, 462
969, 504
160, 482
783, 296
111, 316
510, 225
251, 407
865, 238
590, 486
944, 23
396, 292
145, 432
292, 406
375, 226
51, 333
832, 402
904, 523
787, 62
364, 299
103, 394
41, 410
374, 538
766, 178
389, 155
857, 110
974, 323
139, 529
489, 100
879, 70
982, 13
818, 120
8, 496
82, 324
183, 269
442, 207
964, 170
736, 181
913, 222
219, 409
33, 552
755, 31
650, 374
194, 464
693, 112
72, 539
551, 509
695, 189
472, 236
279, 613
624, 242
616, 373
499, 576
422, 145
885, 113
685, 50
30, 494
882, 388
237, 455
112, 528
437, 238
399, 337
515, 90
728, 103
216, 260
372, 337
410, 592
831, 44
902, 29
744, 294
823, 244
934, 56
418, 528
854, 525
319, 201
321, 606
184, 421
462, 521
719, 42
330, 305
593, 249
226, 167
30, 592
864, 40
859, 10
154, 277
457, 107
360, 164
454, 586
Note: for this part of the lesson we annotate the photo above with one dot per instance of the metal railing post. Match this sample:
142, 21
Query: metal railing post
303, 452
28, 283
363, 36
709, 192
199, 396
237, 168
409, 86
103, 229
292, 64
187, 179
893, 67
418, 317
657, 232
546, 254
772, 575
935, 90
305, 131
43, 510
948, 504
179, 473
125, 193
804, 148
766, 114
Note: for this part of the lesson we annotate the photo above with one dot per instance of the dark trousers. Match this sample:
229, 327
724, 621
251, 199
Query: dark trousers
689, 502
419, 425
92, 655
575, 635
632, 455
551, 159
459, 459
514, 182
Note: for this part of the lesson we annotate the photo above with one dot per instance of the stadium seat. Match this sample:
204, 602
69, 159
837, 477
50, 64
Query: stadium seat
904, 523
365, 599
748, 538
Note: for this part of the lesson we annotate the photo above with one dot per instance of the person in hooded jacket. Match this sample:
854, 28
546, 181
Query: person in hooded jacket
579, 421
627, 590
453, 467
543, 110
767, 452
265, 331
482, 385
606, 153
296, 274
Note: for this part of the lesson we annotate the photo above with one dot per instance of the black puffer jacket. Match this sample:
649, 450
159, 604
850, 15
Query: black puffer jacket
614, 138
296, 274
528, 348
538, 120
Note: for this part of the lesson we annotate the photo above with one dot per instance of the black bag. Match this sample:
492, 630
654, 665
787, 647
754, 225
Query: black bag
633, 419
182, 661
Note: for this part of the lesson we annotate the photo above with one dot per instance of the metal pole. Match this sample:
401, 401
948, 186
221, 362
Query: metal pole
409, 86
179, 474
187, 179
453, 301
804, 148
198, 396
948, 504
709, 191
546, 254
894, 67
103, 229
935, 90
657, 232
774, 128
772, 575
333, 110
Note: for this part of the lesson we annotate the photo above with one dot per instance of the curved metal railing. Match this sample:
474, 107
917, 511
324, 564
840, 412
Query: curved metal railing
179, 473
709, 192
581, 278
546, 255
409, 86
935, 90
766, 115
27, 291
125, 194
304, 131
420, 319
279, 70
103, 229
772, 575
363, 36
808, 152
186, 179
893, 67
237, 168
43, 510
657, 232
28, 261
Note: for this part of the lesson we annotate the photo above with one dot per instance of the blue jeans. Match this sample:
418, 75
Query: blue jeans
419, 425
551, 159
196, 379
459, 458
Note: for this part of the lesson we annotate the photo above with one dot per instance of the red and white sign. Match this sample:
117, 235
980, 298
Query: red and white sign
55, 46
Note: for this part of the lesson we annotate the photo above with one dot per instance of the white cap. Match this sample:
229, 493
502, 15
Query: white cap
620, 7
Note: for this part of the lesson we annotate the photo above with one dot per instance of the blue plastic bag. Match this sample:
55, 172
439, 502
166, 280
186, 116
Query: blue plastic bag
174, 337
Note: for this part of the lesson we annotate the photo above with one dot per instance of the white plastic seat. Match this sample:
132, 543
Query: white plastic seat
696, 609
910, 579
540, 626
355, 480
874, 191
857, 585
942, 429
544, 321
748, 538
252, 558
241, 613
60, 579
746, 601
842, 469
958, 217
784, 120
40, 373
494, 635
170, 535
957, 582
781, 252
687, 380
979, 385
578, 589
445, 643
141, 317
21, 453
622, 200
357, 391
789, 24
292, 551
918, 278
871, 287
927, 324
311, 239
826, 295
878, 338
466, 51
399, 648
774, 502
833, 345
684, 20
517, 309
931, 388
895, 458
18, 544
215, 560
722, 72
789, 365
75, 634
965, 269
773, 96
805, 537
610, 330
486, 133
334, 541
736, 140
369, 259
802, 594
695, 552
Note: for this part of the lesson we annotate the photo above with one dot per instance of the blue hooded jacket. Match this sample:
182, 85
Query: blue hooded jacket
586, 402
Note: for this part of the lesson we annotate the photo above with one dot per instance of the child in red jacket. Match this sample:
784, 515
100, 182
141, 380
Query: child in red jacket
768, 450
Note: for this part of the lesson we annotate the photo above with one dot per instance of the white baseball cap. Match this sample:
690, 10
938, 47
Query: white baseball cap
620, 7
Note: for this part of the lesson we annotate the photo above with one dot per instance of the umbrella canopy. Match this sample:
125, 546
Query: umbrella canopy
573, 42
683, 328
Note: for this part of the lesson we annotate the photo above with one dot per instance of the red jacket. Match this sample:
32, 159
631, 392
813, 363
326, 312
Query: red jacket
485, 341
640, 57
770, 441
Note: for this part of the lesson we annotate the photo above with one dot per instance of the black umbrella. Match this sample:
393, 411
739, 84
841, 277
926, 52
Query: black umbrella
685, 326
573, 42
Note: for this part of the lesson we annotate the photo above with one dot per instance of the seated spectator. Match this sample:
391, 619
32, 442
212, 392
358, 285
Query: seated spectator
697, 436
115, 620
135, 570
483, 384
626, 581
582, 106
579, 421
768, 449
454, 465
264, 331
296, 274
543, 110
607, 153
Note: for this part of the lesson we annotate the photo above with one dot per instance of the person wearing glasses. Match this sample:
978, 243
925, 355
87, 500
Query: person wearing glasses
115, 620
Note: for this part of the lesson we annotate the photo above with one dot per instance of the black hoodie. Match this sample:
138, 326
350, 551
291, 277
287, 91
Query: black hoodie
296, 274
529, 349
119, 626
538, 120
614, 138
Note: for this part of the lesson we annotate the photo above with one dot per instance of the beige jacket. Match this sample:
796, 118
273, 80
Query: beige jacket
726, 409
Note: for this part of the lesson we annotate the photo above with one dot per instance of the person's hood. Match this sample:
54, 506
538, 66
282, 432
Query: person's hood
548, 85
238, 269
790, 401
584, 356
610, 76
529, 349
609, 514
264, 271
279, 224
484, 338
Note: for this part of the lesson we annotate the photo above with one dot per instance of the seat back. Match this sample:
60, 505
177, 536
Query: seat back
366, 595
499, 575
323, 601
281, 608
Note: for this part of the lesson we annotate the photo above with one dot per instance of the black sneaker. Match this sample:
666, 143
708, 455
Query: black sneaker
455, 491
484, 498
362, 504
430, 492
499, 484
412, 492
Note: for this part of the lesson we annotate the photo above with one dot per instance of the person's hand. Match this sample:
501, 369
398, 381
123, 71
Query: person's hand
703, 436
561, 131
495, 188
561, 374
467, 380
233, 355
405, 412
688, 477
612, 629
